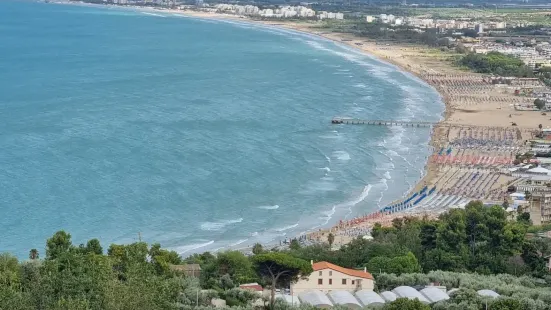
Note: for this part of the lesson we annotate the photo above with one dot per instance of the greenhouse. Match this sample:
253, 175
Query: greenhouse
389, 296
369, 298
293, 300
434, 294
344, 298
488, 293
410, 293
315, 298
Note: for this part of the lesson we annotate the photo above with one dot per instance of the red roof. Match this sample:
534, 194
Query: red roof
251, 286
351, 272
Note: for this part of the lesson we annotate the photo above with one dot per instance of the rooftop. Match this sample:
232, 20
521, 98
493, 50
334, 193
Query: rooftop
351, 272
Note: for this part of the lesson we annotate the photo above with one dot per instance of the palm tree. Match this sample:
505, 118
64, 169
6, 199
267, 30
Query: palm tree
33, 254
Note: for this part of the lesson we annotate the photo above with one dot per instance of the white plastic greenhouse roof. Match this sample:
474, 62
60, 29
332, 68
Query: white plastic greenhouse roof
388, 296
488, 293
434, 294
428, 295
410, 293
289, 299
367, 297
344, 298
315, 298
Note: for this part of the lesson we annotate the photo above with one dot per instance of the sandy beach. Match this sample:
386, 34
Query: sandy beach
483, 127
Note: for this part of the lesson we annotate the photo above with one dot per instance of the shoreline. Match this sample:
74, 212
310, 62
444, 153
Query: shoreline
338, 38
469, 106
429, 171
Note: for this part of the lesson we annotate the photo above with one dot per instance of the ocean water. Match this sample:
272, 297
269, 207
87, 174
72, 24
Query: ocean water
198, 134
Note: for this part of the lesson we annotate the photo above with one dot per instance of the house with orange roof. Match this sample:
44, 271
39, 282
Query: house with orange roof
328, 277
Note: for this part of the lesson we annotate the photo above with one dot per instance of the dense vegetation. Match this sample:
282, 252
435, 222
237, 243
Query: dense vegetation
496, 63
137, 276
382, 32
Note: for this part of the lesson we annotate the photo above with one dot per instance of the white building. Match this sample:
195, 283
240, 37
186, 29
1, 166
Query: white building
328, 277
369, 18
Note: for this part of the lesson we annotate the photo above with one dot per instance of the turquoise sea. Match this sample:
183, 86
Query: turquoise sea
198, 134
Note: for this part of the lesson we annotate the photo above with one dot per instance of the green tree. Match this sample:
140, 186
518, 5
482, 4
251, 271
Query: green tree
406, 304
58, 244
497, 63
9, 271
93, 246
524, 218
33, 254
279, 270
257, 248
377, 230
294, 245
506, 304
539, 103
233, 263
396, 265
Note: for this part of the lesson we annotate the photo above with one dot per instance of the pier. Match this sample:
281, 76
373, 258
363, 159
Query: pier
355, 121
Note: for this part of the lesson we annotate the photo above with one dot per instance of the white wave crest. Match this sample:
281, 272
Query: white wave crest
238, 242
269, 207
153, 14
191, 247
215, 226
387, 175
286, 228
341, 155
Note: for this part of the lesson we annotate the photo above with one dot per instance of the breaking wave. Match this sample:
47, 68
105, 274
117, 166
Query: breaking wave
215, 226
274, 207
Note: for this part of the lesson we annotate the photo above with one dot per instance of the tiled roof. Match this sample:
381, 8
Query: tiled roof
251, 286
351, 272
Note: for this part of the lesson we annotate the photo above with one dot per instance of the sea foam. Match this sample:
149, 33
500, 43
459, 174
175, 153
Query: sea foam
274, 207
215, 226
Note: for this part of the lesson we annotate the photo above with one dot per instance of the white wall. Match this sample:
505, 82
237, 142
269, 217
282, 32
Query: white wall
336, 282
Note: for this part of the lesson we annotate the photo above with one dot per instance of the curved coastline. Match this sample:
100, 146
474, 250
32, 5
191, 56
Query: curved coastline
426, 174
293, 31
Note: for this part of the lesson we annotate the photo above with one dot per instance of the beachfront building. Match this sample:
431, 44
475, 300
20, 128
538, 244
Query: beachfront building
251, 10
328, 277
540, 208
330, 15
